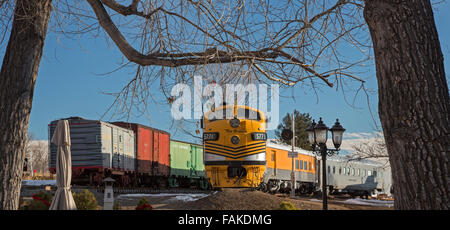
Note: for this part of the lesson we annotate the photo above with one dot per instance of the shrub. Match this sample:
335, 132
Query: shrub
287, 206
144, 205
41, 201
85, 200
116, 206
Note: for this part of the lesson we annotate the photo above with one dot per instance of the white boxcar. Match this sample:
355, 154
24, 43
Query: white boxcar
97, 144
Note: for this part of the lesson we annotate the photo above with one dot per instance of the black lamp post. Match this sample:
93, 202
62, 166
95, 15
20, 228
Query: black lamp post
317, 137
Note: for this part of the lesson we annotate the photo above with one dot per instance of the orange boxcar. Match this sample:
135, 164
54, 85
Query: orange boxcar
153, 150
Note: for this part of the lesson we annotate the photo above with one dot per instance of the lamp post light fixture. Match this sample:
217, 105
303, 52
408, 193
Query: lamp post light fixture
317, 137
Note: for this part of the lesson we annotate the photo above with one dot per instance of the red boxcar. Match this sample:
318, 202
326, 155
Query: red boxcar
153, 150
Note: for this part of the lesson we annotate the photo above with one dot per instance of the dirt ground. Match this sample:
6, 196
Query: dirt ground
227, 199
242, 199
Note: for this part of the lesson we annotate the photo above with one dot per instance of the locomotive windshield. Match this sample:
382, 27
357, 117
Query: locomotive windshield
242, 113
220, 114
248, 114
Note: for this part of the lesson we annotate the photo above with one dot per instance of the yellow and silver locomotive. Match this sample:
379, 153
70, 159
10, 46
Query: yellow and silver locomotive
234, 138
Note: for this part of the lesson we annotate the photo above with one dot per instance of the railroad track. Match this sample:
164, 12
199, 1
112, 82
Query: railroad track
142, 190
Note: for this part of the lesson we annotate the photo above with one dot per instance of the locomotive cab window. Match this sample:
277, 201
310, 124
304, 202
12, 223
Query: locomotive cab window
248, 114
220, 114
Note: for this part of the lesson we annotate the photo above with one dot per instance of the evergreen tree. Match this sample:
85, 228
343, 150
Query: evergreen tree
302, 121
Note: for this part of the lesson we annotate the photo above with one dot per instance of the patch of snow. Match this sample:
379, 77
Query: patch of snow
379, 203
315, 200
189, 197
186, 197
139, 195
38, 182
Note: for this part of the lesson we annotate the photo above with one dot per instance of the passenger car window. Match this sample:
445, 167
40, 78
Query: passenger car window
296, 164
353, 172
301, 164
359, 172
306, 165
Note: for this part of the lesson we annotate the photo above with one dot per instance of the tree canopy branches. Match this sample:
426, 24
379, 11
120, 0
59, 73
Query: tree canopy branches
209, 55
288, 43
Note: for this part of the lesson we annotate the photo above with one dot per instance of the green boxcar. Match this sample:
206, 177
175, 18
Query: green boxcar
186, 165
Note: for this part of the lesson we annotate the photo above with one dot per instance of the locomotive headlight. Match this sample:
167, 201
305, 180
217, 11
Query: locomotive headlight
235, 140
210, 136
235, 122
259, 136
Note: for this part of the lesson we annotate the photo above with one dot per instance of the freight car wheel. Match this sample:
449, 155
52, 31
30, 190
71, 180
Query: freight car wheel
173, 182
262, 187
203, 184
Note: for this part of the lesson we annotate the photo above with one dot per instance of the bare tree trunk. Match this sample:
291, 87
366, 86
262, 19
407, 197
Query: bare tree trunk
414, 104
17, 79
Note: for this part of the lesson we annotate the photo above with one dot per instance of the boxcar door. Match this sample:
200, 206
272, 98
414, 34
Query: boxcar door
115, 146
145, 150
193, 165
107, 145
121, 151
164, 154
129, 151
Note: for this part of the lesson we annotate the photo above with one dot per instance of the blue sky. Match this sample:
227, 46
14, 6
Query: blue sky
68, 84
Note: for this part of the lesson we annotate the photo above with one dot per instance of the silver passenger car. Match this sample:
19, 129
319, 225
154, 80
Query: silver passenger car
362, 177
